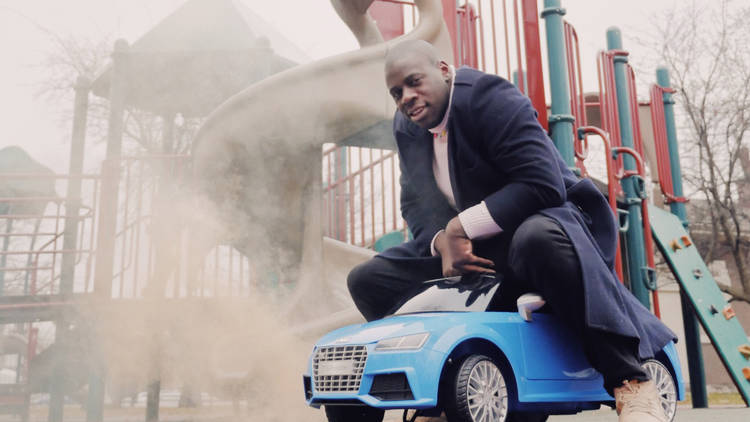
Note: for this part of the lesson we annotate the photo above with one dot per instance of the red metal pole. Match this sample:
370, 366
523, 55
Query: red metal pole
382, 188
372, 199
481, 36
31, 348
638, 143
519, 62
494, 36
534, 61
351, 199
361, 198
611, 189
393, 192
330, 202
507, 42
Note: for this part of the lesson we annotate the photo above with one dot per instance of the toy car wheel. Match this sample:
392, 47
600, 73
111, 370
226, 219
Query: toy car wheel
479, 392
354, 414
664, 385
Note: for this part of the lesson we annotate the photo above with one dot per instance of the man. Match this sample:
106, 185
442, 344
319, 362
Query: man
483, 189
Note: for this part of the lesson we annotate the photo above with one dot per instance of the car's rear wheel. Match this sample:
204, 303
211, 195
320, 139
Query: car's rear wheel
479, 391
665, 385
354, 414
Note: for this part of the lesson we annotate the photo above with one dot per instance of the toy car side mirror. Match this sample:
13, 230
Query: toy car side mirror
529, 303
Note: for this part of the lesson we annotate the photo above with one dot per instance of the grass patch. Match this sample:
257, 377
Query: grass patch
718, 399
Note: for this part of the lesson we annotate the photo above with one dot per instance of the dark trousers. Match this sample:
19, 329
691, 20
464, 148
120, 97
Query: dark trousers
540, 258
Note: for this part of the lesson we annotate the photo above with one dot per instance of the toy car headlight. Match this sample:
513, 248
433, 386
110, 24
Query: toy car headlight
410, 342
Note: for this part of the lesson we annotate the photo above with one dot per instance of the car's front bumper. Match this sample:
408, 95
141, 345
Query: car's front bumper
381, 384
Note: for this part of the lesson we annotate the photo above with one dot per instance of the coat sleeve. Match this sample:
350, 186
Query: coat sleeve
517, 147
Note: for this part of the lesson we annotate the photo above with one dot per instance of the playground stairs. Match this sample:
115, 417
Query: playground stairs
714, 313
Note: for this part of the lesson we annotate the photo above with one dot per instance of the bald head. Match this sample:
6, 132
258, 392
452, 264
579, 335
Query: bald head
412, 48
418, 81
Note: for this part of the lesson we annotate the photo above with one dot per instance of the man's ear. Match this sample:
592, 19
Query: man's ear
445, 69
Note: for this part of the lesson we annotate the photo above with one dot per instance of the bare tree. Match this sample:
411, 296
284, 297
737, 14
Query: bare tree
707, 55
72, 57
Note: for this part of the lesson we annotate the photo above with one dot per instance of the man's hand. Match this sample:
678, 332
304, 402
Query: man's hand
456, 250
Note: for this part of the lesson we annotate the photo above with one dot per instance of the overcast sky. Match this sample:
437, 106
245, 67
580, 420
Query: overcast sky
26, 25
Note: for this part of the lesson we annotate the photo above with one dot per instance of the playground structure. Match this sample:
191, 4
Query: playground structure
173, 232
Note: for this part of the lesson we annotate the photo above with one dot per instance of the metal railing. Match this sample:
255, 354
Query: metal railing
661, 143
611, 124
361, 194
34, 224
577, 97
612, 180
608, 108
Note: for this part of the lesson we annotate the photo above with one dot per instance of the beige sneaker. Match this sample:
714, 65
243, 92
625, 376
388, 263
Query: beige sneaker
639, 402
440, 418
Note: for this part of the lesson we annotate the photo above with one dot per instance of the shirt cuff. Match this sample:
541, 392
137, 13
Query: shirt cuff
434, 251
478, 223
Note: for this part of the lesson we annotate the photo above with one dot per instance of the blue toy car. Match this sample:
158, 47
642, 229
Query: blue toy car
447, 348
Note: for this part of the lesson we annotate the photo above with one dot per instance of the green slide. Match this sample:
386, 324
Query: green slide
714, 313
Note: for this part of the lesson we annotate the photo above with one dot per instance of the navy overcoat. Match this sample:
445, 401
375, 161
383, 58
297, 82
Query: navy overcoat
500, 154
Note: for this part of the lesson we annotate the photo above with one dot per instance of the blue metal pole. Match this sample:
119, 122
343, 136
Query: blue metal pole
561, 117
689, 320
636, 251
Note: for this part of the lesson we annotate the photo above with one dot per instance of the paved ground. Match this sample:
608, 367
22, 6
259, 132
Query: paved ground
684, 414
75, 414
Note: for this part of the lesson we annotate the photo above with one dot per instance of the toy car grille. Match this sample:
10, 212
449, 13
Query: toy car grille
338, 368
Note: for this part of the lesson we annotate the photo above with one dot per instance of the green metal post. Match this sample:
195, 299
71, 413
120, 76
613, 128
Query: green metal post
6, 246
153, 391
561, 117
636, 251
111, 174
677, 208
689, 320
70, 240
73, 194
105, 239
525, 81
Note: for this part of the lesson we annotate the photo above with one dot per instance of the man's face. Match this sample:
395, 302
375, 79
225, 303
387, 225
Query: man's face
420, 88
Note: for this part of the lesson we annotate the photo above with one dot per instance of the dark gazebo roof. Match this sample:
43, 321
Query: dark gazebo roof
197, 57
14, 159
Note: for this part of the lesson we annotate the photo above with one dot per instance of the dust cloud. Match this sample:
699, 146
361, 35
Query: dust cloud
218, 341
234, 350
211, 340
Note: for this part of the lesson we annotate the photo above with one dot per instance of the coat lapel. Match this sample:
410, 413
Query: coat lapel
452, 168
418, 153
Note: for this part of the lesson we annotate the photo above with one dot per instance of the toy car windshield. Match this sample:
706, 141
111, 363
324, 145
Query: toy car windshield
468, 293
